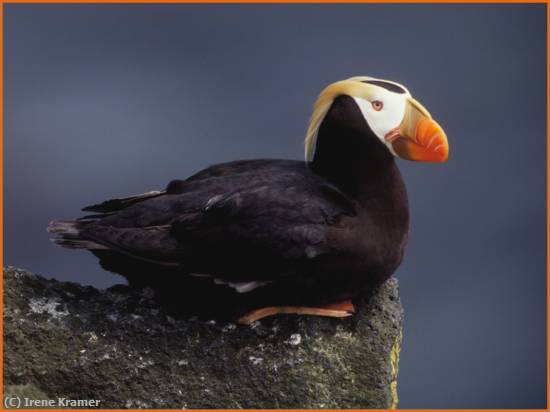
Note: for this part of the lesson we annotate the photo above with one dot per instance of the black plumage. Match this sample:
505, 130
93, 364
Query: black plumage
307, 233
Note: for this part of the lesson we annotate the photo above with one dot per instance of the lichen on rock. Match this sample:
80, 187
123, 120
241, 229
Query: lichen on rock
123, 347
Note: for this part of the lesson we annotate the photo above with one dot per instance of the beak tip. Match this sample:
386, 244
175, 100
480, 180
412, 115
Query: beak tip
443, 154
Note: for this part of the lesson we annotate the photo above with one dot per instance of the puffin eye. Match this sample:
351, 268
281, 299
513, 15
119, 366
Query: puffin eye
377, 105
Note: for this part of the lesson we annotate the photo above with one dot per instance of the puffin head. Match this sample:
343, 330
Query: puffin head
391, 114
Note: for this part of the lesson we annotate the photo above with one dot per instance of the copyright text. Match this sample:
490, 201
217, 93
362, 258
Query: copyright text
11, 402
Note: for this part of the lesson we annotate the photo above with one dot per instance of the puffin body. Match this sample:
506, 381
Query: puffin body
279, 236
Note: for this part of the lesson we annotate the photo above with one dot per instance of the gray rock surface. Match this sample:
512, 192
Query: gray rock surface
121, 347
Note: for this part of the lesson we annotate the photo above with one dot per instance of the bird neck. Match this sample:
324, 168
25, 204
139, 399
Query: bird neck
351, 157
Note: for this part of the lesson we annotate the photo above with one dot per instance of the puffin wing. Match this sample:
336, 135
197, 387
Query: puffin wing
250, 220
255, 233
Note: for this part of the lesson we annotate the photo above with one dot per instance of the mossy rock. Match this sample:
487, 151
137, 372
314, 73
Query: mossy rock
122, 347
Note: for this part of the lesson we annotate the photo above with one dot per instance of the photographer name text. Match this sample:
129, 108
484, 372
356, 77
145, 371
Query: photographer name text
21, 402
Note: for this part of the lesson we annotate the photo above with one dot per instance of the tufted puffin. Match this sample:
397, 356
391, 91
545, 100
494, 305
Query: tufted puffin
279, 236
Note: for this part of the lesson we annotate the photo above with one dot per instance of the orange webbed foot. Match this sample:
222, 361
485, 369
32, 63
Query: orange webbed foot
335, 310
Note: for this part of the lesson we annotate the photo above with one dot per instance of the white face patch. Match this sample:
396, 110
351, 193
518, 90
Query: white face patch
389, 117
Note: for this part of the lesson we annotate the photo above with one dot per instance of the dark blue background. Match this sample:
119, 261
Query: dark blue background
109, 100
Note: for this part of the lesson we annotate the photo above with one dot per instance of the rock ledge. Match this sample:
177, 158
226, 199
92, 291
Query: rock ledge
122, 347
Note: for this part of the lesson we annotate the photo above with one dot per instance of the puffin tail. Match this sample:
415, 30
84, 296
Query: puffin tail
68, 235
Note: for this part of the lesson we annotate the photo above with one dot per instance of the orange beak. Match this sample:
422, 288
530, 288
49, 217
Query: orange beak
420, 138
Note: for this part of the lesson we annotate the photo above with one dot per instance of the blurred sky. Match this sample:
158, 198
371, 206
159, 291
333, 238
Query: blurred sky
110, 100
